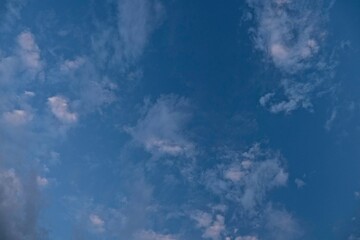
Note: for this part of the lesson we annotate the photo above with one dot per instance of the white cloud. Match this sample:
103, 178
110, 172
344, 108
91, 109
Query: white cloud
17, 117
29, 51
124, 44
151, 235
213, 226
289, 32
97, 222
297, 95
246, 238
162, 129
248, 177
136, 20
299, 183
11, 14
60, 108
72, 65
330, 122
42, 181
18, 207
281, 225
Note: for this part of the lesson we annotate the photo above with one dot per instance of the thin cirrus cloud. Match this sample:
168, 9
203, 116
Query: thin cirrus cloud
161, 131
253, 174
290, 34
123, 43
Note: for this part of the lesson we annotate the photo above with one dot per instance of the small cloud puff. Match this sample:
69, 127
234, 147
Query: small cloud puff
17, 117
59, 106
97, 223
42, 181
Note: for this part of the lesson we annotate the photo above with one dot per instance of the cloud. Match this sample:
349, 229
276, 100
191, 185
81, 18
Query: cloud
213, 226
330, 122
17, 117
299, 183
151, 235
23, 62
136, 20
161, 131
29, 51
71, 65
42, 181
248, 178
10, 13
281, 225
59, 106
246, 238
124, 44
18, 207
97, 222
288, 32
297, 94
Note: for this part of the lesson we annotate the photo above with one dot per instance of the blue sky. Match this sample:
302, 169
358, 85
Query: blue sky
179, 120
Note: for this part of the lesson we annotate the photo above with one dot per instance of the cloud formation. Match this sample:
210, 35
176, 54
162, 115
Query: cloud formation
123, 43
18, 207
161, 130
59, 106
248, 178
290, 34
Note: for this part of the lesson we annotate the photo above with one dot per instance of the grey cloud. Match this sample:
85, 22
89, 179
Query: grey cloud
10, 13
19, 207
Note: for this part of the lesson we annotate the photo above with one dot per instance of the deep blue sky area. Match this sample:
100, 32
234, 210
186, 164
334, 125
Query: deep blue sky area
179, 120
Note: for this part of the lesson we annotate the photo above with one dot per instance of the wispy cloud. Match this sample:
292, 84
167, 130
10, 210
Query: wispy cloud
213, 226
161, 130
281, 225
249, 177
125, 43
297, 94
288, 32
291, 35
11, 13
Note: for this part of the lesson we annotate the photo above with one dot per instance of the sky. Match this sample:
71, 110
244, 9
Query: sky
179, 120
